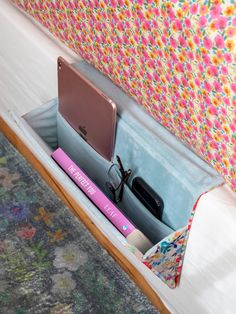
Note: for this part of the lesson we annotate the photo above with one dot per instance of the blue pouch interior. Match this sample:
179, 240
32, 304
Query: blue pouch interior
177, 174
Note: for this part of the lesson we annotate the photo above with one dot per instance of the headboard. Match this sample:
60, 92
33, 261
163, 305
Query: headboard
176, 58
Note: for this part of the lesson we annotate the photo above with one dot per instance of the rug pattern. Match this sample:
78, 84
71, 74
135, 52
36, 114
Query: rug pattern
49, 262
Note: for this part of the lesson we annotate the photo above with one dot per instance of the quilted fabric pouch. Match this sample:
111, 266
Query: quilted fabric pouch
177, 174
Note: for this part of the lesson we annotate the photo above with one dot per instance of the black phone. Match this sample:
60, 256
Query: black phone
148, 197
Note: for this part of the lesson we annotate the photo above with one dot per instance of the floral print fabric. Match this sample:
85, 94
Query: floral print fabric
166, 258
176, 58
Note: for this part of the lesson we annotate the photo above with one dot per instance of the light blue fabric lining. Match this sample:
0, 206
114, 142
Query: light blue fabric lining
97, 168
177, 174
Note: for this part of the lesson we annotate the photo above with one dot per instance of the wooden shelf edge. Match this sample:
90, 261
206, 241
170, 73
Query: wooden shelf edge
72, 204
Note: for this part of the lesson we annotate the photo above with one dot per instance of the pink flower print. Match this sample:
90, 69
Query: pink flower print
136, 38
223, 111
163, 39
177, 94
174, 57
226, 101
226, 138
201, 106
192, 95
126, 61
219, 41
207, 100
196, 40
197, 82
212, 70
176, 82
151, 39
191, 104
217, 157
119, 40
160, 53
215, 11
185, 7
234, 21
224, 147
179, 67
115, 18
182, 41
112, 2
189, 67
213, 144
233, 87
233, 127
207, 43
173, 42
224, 70
149, 77
209, 123
201, 67
232, 161
146, 25
207, 86
140, 15
155, 24
159, 64
202, 21
105, 59
231, 31
184, 81
193, 9
217, 86
168, 78
203, 10
211, 109
228, 58
144, 41
146, 56
120, 26
156, 12
178, 25
163, 96
188, 23
221, 22
209, 156
190, 55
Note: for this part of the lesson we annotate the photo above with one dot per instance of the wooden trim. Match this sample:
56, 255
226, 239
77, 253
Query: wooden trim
72, 204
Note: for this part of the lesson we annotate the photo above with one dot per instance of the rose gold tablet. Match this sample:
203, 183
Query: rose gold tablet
91, 113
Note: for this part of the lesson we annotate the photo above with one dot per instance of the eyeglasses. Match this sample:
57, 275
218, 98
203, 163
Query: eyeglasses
118, 176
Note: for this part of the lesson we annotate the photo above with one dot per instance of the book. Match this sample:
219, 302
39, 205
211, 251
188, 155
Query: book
101, 201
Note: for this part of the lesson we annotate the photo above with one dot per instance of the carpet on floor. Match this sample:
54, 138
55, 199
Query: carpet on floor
49, 262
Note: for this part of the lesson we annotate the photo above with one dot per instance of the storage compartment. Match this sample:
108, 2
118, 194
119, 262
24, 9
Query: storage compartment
96, 167
153, 153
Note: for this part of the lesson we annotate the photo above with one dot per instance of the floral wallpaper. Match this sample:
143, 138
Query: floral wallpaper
176, 58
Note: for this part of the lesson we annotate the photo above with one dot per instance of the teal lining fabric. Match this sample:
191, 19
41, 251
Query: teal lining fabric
177, 174
97, 169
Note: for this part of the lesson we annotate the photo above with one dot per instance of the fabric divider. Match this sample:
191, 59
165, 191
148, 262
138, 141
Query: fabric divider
96, 167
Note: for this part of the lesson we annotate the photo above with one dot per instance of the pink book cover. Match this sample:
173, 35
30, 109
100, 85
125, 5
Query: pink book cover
94, 193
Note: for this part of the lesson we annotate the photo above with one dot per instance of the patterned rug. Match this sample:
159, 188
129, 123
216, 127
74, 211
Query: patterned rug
49, 263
